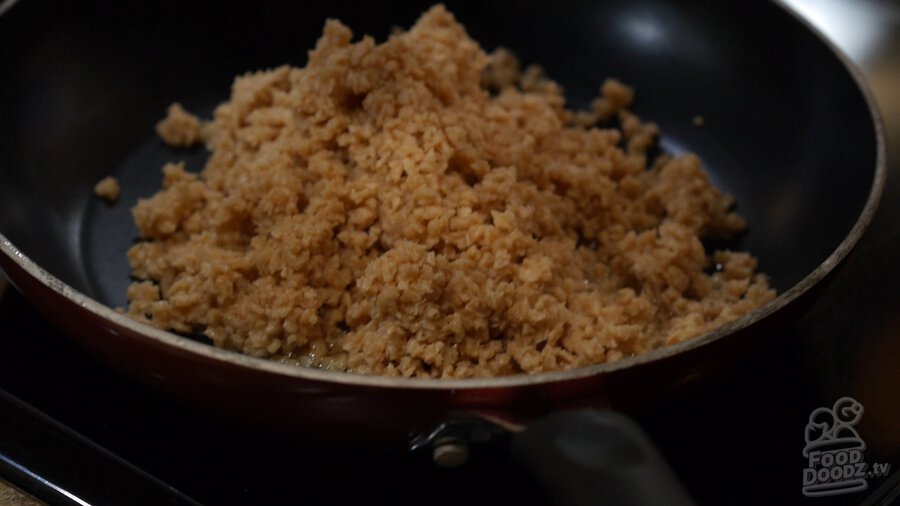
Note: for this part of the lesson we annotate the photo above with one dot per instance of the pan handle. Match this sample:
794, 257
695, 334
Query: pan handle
590, 457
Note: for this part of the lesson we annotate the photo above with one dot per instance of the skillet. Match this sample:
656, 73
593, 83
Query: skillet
789, 129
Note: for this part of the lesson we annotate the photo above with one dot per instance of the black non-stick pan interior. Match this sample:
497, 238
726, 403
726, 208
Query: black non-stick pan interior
785, 127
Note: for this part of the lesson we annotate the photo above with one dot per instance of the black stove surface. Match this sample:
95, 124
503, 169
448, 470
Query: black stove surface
735, 440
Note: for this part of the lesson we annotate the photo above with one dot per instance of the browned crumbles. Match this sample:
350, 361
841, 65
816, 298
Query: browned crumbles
107, 189
396, 209
179, 128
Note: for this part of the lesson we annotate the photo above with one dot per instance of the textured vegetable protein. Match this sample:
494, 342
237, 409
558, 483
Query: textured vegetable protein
421, 208
107, 189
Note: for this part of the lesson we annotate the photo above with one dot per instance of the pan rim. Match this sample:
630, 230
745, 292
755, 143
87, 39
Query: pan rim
269, 366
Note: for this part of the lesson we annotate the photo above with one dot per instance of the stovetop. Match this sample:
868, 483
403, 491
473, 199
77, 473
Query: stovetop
734, 440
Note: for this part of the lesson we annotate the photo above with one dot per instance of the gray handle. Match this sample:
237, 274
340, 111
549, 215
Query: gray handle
591, 457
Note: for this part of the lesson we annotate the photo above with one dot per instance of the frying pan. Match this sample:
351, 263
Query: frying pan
789, 129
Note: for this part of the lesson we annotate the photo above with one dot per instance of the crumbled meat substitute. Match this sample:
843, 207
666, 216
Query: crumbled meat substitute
107, 189
421, 208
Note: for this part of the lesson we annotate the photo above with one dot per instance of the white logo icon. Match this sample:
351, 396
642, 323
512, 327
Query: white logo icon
834, 451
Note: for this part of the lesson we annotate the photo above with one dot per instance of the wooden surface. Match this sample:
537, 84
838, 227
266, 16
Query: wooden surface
11, 496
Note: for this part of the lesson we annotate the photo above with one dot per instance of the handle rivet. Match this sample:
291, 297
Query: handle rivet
450, 452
